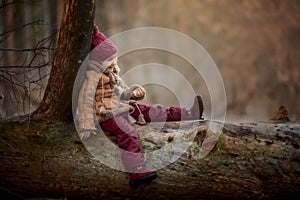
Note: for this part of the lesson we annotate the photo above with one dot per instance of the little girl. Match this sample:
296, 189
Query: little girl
104, 93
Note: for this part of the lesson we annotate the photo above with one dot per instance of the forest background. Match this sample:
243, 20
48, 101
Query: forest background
255, 45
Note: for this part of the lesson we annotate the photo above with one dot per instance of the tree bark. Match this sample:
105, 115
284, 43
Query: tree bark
249, 161
73, 46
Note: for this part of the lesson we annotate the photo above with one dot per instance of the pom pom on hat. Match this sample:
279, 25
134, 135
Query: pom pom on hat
102, 47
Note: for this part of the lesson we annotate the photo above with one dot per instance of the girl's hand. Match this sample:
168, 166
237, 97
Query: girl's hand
85, 134
139, 93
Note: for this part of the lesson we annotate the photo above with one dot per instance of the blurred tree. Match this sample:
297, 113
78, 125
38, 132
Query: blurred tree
72, 47
27, 42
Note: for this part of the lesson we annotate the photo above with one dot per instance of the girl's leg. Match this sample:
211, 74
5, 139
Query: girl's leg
158, 113
128, 141
162, 113
131, 155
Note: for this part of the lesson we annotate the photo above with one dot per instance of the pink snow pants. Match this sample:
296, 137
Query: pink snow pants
127, 135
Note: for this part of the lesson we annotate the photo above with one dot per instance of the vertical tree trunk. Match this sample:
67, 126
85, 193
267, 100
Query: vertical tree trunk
72, 48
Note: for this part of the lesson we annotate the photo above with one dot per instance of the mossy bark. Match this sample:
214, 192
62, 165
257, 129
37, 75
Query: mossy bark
249, 161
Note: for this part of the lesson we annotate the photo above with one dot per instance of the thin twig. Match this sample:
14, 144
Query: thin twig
7, 144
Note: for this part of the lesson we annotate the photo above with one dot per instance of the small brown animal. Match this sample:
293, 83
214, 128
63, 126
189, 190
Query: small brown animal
282, 114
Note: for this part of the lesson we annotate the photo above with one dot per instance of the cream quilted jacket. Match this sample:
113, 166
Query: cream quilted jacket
102, 96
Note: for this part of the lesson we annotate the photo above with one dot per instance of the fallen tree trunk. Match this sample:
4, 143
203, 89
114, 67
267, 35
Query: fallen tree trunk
249, 161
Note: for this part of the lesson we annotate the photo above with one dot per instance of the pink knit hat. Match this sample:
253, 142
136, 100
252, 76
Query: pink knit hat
102, 47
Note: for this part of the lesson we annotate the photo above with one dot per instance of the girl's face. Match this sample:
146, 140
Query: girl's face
111, 66
110, 69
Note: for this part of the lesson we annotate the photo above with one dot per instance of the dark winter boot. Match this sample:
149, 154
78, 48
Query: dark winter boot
196, 111
140, 176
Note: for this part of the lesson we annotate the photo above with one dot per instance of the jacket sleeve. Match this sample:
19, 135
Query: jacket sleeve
124, 92
86, 101
127, 93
